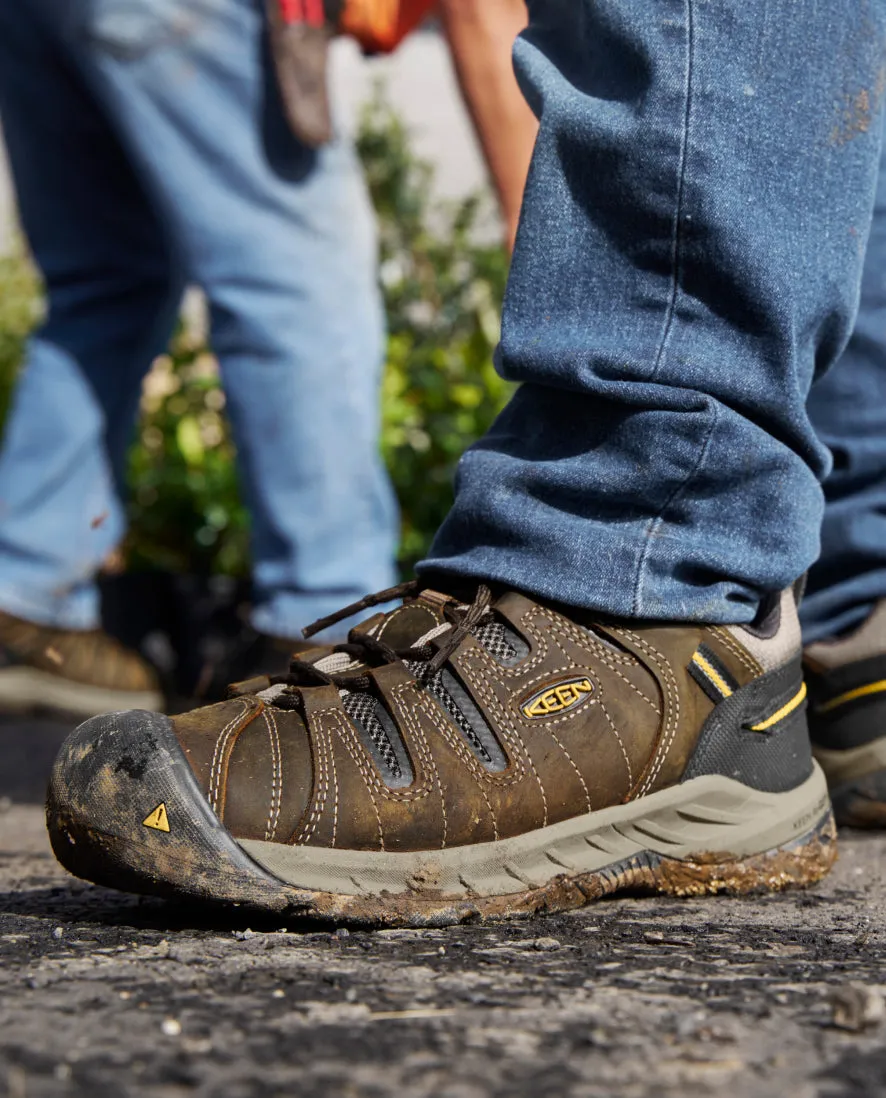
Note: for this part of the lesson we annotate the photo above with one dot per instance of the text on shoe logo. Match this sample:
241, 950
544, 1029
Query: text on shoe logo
555, 699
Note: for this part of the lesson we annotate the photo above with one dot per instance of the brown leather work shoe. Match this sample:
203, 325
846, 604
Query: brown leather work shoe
457, 761
43, 669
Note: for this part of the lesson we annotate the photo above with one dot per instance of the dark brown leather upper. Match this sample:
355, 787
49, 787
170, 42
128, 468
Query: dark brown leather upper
303, 775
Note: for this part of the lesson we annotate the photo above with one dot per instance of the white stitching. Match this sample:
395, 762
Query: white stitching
587, 642
322, 786
729, 642
509, 730
221, 744
449, 732
276, 777
414, 792
354, 747
394, 614
575, 768
617, 735
335, 784
672, 721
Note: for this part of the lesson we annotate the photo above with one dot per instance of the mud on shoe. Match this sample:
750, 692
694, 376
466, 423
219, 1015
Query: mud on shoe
847, 719
459, 760
70, 672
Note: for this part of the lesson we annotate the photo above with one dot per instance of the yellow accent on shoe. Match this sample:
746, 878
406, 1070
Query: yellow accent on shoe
158, 820
851, 695
785, 711
717, 679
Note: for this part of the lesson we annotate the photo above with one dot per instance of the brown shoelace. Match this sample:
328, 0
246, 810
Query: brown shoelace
364, 649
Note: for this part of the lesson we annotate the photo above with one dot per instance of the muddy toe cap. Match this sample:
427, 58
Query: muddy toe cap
124, 809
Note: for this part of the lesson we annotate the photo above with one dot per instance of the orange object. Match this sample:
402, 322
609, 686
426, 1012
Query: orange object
381, 25
311, 12
300, 31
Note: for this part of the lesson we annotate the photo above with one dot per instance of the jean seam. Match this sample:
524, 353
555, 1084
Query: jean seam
656, 523
677, 233
670, 314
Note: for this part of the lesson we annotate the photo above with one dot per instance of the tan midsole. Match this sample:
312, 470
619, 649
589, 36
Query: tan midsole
712, 817
23, 688
854, 762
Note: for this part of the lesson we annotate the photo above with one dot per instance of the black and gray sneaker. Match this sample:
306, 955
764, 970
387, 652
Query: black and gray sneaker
846, 679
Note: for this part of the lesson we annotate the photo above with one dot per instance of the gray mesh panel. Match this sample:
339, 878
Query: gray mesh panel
502, 644
455, 701
380, 737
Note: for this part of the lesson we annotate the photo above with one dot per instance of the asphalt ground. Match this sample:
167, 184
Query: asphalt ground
105, 994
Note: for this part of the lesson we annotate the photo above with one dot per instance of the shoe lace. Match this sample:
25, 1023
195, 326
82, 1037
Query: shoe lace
365, 649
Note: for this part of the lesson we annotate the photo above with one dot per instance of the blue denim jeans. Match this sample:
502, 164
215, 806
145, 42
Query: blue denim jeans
149, 151
688, 263
848, 409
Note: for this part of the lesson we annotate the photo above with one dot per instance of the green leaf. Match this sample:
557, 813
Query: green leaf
187, 436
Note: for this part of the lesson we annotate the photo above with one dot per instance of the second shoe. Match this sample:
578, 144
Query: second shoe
847, 686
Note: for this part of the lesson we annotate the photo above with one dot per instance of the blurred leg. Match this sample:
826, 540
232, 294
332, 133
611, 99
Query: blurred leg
281, 238
848, 410
112, 300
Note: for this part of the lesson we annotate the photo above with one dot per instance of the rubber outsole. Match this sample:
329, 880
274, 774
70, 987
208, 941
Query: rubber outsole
30, 690
124, 810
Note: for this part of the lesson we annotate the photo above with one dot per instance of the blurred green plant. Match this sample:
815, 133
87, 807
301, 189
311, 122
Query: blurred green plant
185, 512
442, 286
443, 294
21, 307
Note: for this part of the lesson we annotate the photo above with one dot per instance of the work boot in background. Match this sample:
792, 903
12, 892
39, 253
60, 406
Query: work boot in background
70, 672
847, 719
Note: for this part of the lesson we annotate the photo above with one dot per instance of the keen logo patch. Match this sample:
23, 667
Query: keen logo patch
158, 820
557, 699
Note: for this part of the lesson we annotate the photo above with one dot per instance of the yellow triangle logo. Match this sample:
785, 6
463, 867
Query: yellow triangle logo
157, 820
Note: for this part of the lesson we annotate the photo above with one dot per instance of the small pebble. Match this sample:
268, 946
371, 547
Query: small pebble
856, 1007
546, 945
171, 1027
343, 932
278, 993
58, 933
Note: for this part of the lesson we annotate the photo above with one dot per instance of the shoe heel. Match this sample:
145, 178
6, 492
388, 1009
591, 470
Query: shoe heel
797, 864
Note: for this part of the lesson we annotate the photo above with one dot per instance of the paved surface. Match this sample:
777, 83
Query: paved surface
105, 994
